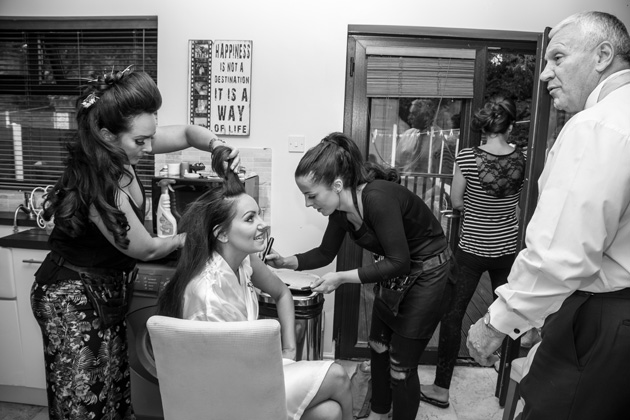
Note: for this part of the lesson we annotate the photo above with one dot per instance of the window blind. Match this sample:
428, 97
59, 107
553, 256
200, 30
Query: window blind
43, 64
420, 72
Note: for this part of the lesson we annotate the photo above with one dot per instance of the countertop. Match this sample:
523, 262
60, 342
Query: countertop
35, 238
6, 218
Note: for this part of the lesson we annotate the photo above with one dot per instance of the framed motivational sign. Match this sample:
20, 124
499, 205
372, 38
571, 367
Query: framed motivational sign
220, 97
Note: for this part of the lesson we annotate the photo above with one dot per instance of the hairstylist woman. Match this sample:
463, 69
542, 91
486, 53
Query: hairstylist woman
487, 187
411, 273
80, 293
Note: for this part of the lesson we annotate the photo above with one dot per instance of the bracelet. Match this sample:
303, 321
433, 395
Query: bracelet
210, 147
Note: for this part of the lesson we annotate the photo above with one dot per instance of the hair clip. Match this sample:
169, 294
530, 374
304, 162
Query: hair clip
118, 74
90, 100
127, 69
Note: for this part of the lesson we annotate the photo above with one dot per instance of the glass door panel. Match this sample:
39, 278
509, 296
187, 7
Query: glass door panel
420, 137
415, 135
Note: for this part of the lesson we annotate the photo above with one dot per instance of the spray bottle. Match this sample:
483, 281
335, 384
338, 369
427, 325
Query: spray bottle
166, 222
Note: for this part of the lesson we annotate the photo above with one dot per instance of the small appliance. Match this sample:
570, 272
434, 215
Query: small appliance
186, 190
145, 392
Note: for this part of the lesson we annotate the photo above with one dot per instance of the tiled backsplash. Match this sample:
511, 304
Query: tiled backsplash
254, 160
9, 199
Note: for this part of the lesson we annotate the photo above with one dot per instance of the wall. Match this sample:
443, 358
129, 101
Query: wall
298, 68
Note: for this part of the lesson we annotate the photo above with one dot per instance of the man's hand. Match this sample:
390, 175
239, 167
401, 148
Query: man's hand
482, 342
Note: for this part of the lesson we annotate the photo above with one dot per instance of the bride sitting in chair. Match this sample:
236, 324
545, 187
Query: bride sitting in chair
215, 279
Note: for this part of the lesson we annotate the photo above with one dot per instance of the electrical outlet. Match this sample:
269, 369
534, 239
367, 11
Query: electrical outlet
296, 144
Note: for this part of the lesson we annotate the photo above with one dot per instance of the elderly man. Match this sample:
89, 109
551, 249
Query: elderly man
574, 275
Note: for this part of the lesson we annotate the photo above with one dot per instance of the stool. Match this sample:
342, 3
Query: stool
519, 368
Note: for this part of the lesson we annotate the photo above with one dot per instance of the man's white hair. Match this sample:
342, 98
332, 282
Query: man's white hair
597, 27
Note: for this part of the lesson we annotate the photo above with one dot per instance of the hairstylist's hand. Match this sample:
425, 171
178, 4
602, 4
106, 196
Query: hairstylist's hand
276, 260
181, 240
327, 283
234, 155
236, 162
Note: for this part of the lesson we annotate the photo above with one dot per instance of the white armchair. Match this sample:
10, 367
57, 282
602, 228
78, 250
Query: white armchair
219, 370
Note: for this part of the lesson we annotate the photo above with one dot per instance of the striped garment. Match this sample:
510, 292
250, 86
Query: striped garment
493, 186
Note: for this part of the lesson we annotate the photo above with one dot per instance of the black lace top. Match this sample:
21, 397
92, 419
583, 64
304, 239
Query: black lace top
500, 175
493, 186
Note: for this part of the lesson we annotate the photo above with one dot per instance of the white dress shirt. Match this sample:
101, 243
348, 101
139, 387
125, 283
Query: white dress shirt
579, 235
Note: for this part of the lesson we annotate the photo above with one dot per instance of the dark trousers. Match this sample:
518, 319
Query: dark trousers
402, 357
395, 355
581, 370
471, 267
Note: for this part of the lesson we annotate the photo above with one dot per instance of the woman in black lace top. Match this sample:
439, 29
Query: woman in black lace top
486, 187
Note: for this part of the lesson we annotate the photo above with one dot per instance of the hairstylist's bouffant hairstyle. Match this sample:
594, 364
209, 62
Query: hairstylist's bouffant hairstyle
94, 164
338, 157
211, 213
496, 116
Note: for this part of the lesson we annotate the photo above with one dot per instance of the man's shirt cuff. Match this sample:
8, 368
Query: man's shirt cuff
507, 321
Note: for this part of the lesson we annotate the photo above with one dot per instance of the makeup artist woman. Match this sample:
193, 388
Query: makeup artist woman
80, 293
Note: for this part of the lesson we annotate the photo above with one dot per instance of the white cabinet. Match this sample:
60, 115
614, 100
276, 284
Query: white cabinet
7, 279
25, 264
11, 360
22, 374
11, 366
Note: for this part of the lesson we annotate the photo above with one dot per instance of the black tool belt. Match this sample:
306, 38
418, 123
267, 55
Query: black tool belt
437, 260
393, 291
107, 289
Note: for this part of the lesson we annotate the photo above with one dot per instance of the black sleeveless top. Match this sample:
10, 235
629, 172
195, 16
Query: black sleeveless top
92, 249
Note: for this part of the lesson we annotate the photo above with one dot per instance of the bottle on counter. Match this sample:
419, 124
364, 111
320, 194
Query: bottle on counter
183, 169
166, 223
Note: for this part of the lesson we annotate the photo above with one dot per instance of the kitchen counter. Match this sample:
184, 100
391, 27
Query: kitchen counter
6, 218
35, 238
30, 235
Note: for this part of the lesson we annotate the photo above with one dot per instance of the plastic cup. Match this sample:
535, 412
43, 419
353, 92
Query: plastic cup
173, 169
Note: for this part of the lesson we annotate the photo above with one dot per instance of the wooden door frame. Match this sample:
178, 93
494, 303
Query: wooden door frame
536, 154
347, 297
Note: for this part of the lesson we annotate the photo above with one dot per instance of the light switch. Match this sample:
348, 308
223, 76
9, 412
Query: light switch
296, 144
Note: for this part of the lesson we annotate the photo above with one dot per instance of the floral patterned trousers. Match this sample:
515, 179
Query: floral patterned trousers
87, 366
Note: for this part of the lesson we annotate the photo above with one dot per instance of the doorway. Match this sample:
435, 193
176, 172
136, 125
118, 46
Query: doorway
410, 95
